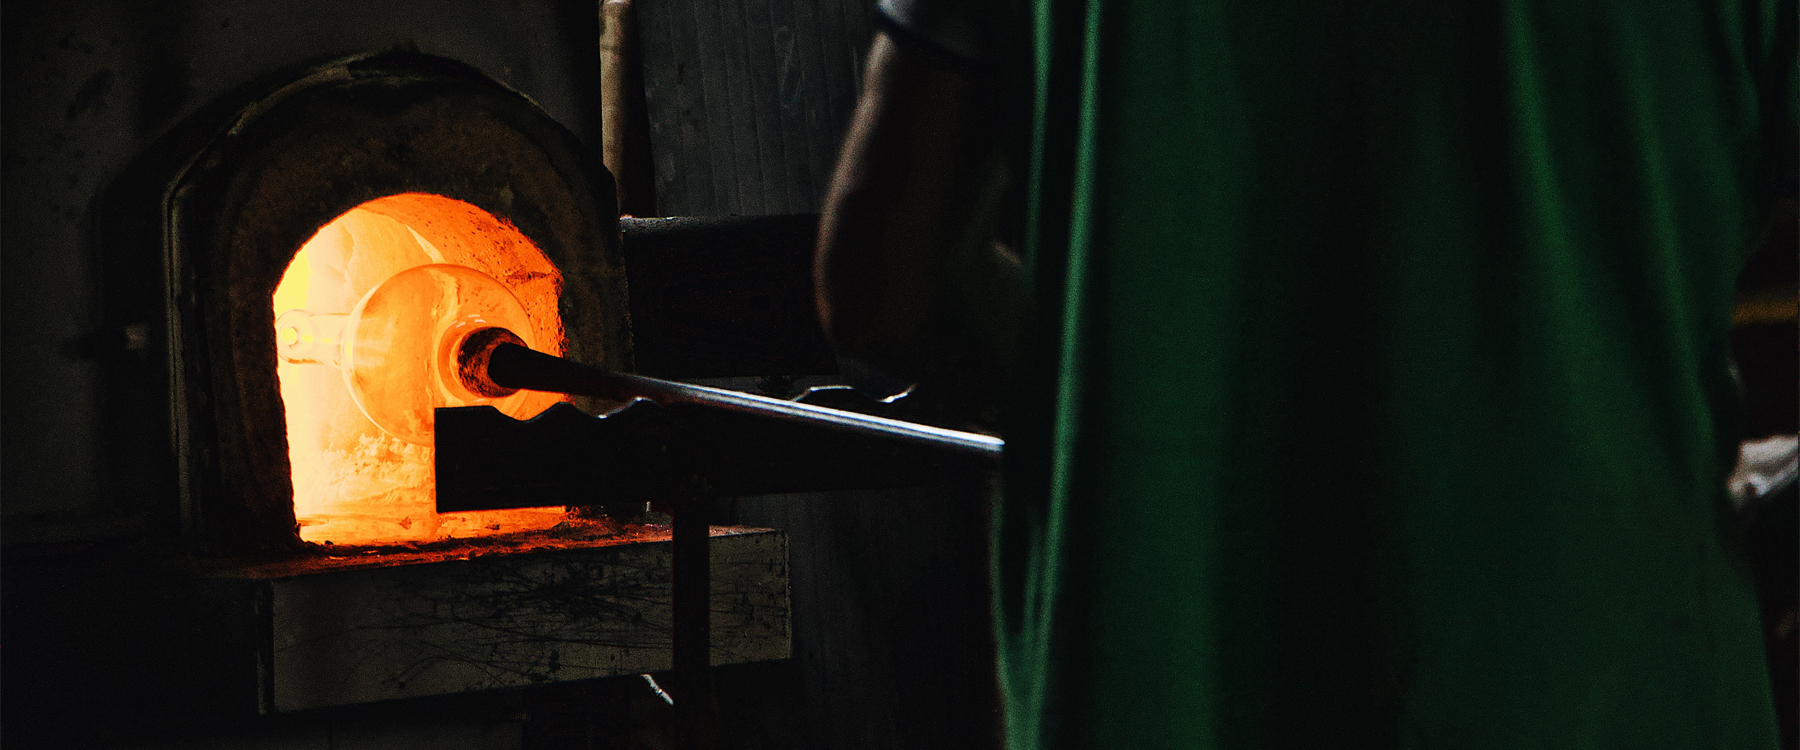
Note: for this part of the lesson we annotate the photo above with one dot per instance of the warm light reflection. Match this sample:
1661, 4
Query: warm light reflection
353, 482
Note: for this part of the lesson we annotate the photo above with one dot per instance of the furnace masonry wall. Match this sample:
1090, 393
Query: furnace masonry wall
361, 132
96, 92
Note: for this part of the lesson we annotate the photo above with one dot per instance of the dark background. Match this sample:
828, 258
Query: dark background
746, 102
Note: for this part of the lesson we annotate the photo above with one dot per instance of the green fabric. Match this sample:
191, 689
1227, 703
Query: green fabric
1379, 394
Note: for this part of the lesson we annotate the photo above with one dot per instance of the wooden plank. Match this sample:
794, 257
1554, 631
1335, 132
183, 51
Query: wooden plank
759, 33
706, 76
834, 85
752, 186
677, 141
748, 100
805, 101
376, 634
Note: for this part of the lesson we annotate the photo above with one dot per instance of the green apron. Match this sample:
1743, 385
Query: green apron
1379, 392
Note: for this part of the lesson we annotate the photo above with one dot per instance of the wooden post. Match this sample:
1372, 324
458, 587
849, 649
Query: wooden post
624, 127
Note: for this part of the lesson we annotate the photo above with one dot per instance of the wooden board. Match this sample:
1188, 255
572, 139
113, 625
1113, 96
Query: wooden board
374, 634
747, 100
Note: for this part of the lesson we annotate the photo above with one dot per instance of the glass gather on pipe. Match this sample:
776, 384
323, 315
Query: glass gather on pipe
398, 348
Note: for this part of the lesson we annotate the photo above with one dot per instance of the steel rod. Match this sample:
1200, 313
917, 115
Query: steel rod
514, 366
696, 720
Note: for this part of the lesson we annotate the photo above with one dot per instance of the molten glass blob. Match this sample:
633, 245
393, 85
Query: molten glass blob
397, 349
362, 454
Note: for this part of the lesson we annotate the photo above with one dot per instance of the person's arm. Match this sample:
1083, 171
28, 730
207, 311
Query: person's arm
907, 272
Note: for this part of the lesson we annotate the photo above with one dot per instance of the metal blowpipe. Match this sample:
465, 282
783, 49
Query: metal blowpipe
495, 362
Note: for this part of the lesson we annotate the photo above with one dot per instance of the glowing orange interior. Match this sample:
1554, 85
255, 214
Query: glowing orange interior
353, 482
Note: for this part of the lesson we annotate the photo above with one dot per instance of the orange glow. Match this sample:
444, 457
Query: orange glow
354, 483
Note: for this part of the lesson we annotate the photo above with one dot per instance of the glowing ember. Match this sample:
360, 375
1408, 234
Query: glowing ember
355, 483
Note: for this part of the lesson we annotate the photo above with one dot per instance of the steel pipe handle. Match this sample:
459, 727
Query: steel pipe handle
512, 366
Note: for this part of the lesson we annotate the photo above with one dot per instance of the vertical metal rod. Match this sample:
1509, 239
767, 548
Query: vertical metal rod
624, 124
696, 721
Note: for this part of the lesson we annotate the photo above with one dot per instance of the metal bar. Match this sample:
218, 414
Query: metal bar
515, 366
696, 719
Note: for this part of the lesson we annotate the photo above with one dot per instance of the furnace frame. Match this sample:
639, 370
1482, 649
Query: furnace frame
346, 133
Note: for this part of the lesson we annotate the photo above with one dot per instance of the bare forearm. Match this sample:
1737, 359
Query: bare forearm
908, 276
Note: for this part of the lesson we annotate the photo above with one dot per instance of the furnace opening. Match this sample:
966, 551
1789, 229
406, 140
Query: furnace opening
354, 482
